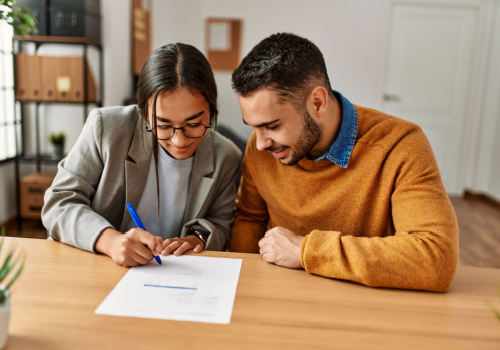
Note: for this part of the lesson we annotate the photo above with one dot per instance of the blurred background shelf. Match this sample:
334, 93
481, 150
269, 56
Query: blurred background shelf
43, 80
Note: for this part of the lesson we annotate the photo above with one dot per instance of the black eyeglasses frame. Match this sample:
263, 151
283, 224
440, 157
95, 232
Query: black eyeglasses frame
148, 129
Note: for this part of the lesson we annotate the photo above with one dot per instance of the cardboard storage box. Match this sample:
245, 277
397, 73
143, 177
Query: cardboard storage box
62, 77
31, 191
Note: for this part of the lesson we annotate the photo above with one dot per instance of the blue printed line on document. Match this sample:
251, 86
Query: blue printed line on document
173, 287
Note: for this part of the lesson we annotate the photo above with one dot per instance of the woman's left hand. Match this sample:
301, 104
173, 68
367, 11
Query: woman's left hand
179, 245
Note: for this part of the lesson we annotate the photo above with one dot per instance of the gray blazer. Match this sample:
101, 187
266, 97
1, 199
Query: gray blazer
108, 167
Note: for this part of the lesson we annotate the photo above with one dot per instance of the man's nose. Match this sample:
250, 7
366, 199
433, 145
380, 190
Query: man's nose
263, 141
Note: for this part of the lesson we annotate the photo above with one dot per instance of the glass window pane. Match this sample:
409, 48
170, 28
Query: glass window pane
6, 33
8, 70
2, 69
10, 137
8, 102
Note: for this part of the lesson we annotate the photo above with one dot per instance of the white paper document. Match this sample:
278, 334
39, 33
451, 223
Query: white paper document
183, 288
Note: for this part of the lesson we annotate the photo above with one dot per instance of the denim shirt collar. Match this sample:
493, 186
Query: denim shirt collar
341, 149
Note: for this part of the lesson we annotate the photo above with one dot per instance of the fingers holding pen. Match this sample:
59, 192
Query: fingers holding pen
154, 243
137, 247
150, 241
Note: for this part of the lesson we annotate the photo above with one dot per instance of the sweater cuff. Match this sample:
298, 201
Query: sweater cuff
316, 251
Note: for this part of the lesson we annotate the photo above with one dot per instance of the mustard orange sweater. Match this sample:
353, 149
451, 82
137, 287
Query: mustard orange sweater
384, 221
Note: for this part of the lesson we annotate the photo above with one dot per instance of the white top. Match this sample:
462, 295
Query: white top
173, 182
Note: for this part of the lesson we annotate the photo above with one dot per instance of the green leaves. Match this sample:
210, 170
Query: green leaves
19, 18
10, 268
57, 138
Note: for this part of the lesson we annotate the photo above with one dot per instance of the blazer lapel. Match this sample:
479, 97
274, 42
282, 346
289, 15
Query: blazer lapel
200, 184
136, 169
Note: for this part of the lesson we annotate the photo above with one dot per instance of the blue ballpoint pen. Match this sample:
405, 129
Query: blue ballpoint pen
139, 224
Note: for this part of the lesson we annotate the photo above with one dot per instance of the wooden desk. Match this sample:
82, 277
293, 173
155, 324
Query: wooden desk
53, 306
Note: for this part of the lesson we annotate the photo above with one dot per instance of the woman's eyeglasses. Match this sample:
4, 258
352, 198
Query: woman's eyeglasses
192, 131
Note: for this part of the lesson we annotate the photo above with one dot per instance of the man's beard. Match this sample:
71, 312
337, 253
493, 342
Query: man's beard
308, 139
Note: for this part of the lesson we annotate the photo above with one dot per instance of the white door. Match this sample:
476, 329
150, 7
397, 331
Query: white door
431, 57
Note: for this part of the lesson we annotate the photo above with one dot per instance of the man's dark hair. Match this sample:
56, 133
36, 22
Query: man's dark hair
284, 62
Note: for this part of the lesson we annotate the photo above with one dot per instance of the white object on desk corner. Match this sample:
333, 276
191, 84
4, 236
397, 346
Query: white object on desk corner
4, 319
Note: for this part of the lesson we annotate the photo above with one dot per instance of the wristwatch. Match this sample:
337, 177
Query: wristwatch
201, 235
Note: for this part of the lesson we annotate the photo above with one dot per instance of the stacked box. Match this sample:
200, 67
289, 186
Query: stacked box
37, 79
80, 18
74, 18
31, 191
39, 10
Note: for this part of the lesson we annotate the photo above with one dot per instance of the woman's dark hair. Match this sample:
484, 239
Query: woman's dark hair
173, 66
168, 68
289, 64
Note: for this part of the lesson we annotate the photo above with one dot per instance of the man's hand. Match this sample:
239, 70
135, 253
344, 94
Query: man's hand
281, 247
134, 247
178, 246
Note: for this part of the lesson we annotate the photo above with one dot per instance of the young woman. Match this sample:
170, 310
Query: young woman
163, 156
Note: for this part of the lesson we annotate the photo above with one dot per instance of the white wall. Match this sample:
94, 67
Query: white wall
177, 21
486, 169
116, 42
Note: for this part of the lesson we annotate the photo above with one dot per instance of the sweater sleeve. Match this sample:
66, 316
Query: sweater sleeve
251, 216
67, 212
421, 254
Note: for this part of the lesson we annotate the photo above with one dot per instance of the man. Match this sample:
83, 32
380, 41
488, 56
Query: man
341, 190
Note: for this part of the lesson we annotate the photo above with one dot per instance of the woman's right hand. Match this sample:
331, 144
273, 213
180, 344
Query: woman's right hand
132, 248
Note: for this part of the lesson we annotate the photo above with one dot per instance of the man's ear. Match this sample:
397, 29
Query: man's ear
318, 101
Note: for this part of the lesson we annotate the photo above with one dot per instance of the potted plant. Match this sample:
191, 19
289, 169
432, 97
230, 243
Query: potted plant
11, 265
57, 141
19, 18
